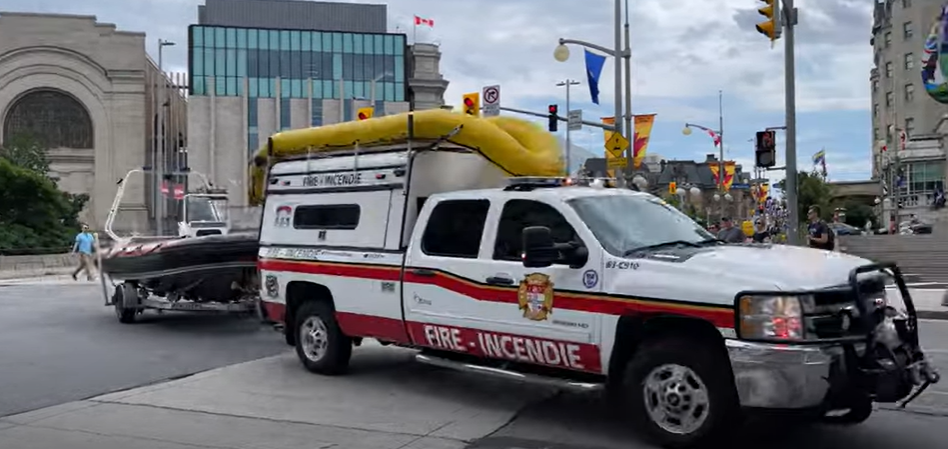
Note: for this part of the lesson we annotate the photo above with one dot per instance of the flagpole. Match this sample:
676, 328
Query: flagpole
414, 31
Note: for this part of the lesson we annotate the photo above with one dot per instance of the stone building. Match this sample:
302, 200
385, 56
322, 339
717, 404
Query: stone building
87, 91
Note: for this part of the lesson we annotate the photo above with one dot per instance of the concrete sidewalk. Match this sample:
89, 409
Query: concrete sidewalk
387, 402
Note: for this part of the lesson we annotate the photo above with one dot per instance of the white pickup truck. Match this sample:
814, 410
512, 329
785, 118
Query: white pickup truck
583, 286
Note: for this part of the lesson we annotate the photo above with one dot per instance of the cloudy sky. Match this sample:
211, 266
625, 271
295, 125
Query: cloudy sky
683, 53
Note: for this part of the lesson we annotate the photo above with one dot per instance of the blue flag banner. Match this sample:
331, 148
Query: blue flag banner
594, 65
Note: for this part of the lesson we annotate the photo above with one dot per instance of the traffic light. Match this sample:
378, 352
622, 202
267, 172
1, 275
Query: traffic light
766, 149
365, 113
553, 108
673, 187
772, 27
472, 104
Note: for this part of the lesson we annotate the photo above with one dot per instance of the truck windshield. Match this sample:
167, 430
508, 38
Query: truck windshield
624, 222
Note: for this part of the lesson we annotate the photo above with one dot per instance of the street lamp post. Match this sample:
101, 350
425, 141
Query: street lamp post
687, 131
159, 166
561, 53
567, 83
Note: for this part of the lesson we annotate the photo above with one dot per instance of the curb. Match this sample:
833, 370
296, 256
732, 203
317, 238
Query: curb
13, 274
932, 314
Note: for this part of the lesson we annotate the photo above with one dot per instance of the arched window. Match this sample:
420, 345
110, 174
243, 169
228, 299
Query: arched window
52, 117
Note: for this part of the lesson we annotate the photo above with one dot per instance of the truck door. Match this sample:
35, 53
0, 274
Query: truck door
556, 303
466, 289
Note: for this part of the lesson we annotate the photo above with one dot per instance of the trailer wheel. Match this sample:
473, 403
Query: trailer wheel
681, 394
320, 344
125, 315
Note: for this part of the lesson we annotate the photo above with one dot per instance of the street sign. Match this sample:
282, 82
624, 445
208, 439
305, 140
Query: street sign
575, 120
616, 145
491, 98
619, 162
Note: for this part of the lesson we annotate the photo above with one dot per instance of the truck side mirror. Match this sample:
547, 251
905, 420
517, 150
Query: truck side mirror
538, 248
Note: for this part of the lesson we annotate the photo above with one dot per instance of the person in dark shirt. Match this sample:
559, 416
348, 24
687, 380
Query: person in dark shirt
761, 235
820, 236
730, 233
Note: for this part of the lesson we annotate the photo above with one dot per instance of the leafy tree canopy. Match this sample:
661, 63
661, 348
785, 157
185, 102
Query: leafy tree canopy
35, 216
812, 190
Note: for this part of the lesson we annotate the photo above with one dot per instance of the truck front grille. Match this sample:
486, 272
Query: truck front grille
835, 314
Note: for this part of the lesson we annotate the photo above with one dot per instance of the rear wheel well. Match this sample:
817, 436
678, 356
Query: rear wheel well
633, 331
298, 293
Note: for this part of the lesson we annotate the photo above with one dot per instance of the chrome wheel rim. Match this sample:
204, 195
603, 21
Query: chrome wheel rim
314, 338
676, 399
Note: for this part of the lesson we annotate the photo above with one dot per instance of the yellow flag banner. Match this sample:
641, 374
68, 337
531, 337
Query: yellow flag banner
611, 121
730, 167
643, 131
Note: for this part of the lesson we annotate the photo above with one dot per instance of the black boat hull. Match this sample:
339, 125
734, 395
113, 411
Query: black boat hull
209, 268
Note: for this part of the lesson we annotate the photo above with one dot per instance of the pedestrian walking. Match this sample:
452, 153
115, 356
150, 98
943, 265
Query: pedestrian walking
84, 247
819, 234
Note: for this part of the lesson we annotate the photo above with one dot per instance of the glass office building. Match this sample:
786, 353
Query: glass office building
222, 56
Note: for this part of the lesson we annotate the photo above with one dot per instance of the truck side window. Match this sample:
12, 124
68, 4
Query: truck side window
327, 216
455, 228
519, 214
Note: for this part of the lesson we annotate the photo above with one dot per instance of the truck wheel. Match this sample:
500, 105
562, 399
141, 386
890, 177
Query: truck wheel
125, 315
680, 394
320, 344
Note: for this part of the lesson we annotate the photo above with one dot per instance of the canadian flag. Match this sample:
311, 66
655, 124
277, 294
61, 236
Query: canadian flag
715, 136
423, 21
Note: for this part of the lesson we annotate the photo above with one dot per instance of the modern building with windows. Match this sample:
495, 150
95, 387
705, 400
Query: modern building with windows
250, 79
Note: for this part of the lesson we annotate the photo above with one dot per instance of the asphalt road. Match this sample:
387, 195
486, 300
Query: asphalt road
58, 343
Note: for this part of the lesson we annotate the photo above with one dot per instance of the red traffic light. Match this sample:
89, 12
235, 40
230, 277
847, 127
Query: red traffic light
469, 102
553, 108
362, 116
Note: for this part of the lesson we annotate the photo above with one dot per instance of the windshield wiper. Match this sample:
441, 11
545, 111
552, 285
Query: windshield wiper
698, 244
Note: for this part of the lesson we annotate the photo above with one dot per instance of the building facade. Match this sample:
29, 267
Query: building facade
88, 92
248, 81
912, 169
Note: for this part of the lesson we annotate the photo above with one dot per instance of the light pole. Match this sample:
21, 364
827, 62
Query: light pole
789, 17
561, 53
159, 166
567, 83
720, 144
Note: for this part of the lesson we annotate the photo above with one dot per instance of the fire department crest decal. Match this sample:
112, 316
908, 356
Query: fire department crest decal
536, 296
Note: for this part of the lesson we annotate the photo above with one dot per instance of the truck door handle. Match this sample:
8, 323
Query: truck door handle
499, 280
423, 272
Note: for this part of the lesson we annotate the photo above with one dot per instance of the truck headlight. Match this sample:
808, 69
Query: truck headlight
775, 317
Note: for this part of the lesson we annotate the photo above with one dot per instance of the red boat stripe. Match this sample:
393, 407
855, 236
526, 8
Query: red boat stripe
606, 304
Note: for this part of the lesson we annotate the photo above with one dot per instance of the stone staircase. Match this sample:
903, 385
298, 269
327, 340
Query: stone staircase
924, 257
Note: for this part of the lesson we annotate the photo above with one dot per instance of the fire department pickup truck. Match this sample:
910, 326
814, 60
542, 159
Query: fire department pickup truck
584, 286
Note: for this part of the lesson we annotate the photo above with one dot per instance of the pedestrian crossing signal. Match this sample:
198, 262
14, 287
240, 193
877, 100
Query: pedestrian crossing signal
366, 113
766, 149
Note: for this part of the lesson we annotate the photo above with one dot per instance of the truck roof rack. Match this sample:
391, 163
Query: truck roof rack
529, 183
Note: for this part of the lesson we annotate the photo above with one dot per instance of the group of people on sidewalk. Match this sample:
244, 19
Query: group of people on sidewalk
819, 234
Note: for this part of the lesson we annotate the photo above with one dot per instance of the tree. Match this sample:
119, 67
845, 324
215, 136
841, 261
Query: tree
25, 150
812, 190
35, 216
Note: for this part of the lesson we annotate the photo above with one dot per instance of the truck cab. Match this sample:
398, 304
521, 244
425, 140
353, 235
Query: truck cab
577, 284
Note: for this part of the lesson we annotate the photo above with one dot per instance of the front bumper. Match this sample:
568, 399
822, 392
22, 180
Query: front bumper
887, 365
781, 376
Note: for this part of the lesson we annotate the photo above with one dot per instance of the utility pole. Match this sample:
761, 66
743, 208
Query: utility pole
158, 170
721, 171
789, 17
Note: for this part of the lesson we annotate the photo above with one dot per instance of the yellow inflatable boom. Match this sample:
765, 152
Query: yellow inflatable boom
516, 146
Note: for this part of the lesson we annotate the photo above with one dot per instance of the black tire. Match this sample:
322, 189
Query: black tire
719, 416
334, 358
859, 411
124, 315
